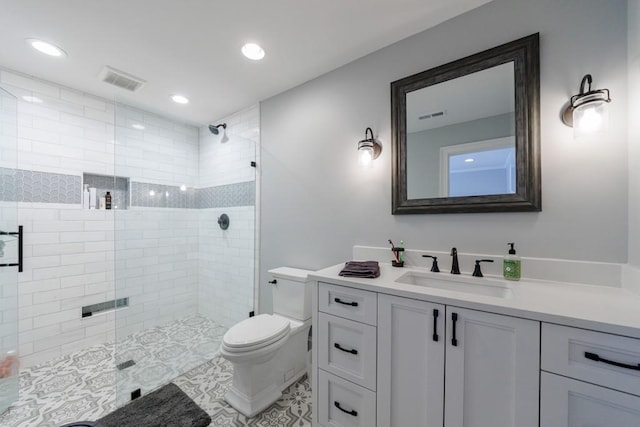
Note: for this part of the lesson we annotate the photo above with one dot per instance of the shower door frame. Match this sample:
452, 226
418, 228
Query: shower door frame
11, 235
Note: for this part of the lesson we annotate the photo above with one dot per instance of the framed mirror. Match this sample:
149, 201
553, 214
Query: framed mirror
466, 135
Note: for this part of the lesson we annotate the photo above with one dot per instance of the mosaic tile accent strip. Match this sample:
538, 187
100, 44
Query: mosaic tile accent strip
82, 386
148, 195
19, 185
116, 185
169, 196
226, 196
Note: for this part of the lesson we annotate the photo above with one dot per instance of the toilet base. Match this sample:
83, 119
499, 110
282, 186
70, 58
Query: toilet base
251, 406
256, 386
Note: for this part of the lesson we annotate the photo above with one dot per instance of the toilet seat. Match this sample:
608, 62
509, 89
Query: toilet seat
255, 333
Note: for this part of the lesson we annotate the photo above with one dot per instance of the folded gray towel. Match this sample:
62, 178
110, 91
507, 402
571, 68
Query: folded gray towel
364, 269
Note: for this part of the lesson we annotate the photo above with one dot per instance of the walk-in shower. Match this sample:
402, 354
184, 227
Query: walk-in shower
115, 303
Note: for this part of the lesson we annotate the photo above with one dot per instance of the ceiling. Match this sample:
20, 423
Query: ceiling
486, 93
192, 47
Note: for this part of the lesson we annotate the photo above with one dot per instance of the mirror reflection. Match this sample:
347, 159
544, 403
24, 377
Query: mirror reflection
461, 136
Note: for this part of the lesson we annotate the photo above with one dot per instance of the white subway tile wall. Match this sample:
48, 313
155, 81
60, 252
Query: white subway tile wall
156, 266
68, 263
227, 267
73, 256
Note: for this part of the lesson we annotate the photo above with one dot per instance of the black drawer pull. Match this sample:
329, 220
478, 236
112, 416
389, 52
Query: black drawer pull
353, 351
352, 304
352, 412
435, 324
595, 357
454, 340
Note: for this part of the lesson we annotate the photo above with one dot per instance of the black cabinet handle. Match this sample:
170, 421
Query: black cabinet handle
595, 357
435, 324
454, 340
352, 304
352, 412
352, 351
19, 233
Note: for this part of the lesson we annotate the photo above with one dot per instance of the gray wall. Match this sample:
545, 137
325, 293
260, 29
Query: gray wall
317, 203
634, 132
423, 149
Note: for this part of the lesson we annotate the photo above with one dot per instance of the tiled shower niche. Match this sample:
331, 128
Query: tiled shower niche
118, 187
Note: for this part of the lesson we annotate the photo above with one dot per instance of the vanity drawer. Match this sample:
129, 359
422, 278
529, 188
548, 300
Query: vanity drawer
347, 349
354, 304
571, 352
344, 404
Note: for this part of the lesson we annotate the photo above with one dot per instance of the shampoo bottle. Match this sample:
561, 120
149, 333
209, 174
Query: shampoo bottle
107, 200
511, 264
85, 197
93, 192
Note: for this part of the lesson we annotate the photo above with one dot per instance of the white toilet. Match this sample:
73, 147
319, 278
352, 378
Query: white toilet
269, 351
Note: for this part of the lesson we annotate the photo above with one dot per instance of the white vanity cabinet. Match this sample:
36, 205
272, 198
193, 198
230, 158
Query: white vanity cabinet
543, 354
345, 355
435, 365
411, 343
589, 379
492, 370
483, 371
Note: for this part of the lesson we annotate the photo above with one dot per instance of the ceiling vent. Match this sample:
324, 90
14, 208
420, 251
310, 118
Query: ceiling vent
432, 115
121, 79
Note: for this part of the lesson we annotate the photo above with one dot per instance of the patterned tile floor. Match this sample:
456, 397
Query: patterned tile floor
82, 386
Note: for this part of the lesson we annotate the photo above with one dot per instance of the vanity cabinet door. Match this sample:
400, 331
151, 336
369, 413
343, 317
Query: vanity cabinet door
492, 370
566, 402
410, 362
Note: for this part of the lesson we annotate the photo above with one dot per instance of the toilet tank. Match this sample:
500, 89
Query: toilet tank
292, 292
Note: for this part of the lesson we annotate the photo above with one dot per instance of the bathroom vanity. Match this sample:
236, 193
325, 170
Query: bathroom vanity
415, 348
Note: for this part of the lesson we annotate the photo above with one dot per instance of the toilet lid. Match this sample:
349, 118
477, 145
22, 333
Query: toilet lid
256, 330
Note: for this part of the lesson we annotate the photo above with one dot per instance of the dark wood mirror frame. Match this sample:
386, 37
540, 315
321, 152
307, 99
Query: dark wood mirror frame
524, 53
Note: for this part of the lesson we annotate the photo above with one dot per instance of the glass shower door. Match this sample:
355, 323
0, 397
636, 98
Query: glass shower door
9, 251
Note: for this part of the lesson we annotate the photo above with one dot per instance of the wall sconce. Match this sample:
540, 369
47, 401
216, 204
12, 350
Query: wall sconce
587, 112
368, 149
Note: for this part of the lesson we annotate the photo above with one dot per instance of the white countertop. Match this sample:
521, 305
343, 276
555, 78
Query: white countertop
603, 308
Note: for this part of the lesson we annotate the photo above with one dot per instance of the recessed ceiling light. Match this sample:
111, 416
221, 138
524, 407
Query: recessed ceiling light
46, 48
469, 160
253, 51
32, 99
179, 99
137, 126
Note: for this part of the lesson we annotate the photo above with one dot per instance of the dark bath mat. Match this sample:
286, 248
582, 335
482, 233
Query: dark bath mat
166, 407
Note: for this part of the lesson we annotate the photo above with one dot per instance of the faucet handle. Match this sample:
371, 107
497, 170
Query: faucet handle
434, 266
476, 271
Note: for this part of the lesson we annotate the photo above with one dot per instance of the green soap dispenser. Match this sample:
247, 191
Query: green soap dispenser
511, 264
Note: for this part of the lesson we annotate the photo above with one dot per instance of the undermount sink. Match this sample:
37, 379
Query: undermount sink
470, 285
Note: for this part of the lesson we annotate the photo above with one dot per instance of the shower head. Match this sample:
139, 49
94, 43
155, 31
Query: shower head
214, 128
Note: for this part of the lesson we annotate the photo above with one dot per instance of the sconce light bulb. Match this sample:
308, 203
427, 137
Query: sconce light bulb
365, 155
590, 121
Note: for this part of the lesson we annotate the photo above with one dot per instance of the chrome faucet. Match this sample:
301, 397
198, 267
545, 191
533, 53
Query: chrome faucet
455, 268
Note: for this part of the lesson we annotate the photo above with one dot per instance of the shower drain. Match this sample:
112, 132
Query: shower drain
125, 365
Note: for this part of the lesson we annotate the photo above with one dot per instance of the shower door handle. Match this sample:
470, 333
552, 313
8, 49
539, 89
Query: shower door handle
19, 233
